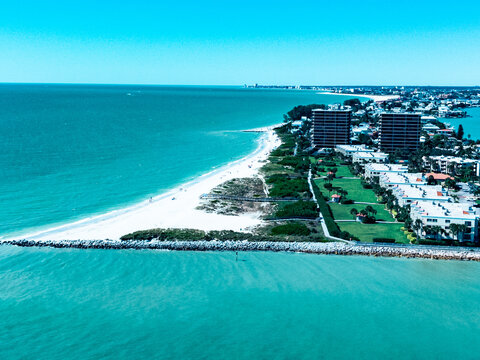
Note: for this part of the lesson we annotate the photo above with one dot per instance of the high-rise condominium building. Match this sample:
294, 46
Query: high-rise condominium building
400, 131
331, 127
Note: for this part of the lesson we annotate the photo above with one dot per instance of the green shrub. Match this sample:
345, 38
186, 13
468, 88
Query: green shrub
298, 209
325, 210
291, 229
283, 186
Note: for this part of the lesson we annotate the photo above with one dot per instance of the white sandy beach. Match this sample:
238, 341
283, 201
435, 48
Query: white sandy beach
376, 98
174, 209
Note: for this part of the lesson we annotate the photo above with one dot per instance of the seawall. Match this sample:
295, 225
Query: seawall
331, 248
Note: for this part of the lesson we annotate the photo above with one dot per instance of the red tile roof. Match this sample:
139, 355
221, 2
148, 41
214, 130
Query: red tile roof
438, 176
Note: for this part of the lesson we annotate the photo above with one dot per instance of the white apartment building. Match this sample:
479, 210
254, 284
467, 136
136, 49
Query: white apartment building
443, 214
369, 157
349, 150
451, 164
389, 180
407, 194
374, 170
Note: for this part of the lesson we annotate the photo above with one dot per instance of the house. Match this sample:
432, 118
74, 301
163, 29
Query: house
336, 198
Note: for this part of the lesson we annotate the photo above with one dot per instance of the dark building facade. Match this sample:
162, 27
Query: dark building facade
400, 132
331, 127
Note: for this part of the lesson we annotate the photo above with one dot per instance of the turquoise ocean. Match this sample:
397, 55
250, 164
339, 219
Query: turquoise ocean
67, 152
471, 124
70, 151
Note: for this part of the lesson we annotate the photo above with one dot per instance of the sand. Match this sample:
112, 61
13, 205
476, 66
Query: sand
376, 98
174, 209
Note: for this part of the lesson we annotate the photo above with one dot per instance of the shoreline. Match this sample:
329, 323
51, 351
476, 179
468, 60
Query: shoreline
376, 98
175, 208
329, 248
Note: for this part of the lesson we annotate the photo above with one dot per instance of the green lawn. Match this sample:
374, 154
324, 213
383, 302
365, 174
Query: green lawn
356, 192
366, 232
342, 212
343, 170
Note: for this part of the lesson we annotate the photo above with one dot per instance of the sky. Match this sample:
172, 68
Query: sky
207, 42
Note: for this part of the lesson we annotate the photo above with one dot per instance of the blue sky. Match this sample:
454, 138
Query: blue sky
237, 42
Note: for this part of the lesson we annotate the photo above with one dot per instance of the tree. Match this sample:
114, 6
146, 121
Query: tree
431, 180
342, 192
417, 226
370, 210
329, 187
437, 230
450, 183
354, 213
304, 110
460, 132
457, 229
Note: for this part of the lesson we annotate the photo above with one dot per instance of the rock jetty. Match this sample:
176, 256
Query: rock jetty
330, 248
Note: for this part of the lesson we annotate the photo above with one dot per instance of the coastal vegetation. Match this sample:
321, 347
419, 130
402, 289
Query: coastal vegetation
298, 209
288, 232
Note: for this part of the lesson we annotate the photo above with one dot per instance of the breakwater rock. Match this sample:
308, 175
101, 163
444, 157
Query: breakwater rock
330, 248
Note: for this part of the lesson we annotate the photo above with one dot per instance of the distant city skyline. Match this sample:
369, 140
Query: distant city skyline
213, 43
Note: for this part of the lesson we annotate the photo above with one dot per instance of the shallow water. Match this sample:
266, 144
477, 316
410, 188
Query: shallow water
108, 304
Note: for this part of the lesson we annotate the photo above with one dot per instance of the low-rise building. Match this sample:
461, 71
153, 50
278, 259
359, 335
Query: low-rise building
407, 194
369, 157
349, 150
442, 215
389, 180
451, 164
374, 170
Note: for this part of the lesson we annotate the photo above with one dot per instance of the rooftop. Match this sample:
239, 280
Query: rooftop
419, 192
354, 148
403, 178
444, 209
370, 155
438, 176
386, 167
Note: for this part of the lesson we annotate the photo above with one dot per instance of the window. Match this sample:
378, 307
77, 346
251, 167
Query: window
432, 220
447, 221
468, 223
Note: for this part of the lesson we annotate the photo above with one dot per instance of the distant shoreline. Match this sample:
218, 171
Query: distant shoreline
329, 248
376, 98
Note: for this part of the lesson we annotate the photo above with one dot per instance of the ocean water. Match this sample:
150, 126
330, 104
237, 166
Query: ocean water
69, 151
471, 124
109, 304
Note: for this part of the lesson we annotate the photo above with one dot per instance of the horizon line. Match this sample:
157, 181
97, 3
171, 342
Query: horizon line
230, 85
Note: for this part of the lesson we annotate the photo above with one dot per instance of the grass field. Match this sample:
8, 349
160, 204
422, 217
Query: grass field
366, 232
356, 192
342, 212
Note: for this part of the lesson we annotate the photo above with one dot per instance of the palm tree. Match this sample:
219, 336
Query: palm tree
457, 229
417, 226
354, 213
437, 230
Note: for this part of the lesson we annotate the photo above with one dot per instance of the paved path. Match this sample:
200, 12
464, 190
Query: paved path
366, 203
